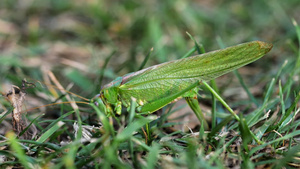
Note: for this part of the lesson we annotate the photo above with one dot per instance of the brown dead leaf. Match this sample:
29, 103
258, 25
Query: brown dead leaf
16, 97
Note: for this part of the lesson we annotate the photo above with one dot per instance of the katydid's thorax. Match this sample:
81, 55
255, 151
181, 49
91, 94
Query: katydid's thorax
109, 92
110, 96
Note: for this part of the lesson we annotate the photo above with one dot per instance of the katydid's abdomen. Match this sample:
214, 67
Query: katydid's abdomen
156, 86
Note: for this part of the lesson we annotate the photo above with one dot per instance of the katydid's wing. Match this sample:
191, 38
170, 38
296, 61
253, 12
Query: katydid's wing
167, 79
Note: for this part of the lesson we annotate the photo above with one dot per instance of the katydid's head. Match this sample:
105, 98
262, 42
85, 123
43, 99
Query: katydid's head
100, 98
109, 95
107, 100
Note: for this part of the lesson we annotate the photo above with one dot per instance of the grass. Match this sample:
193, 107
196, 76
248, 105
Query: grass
86, 45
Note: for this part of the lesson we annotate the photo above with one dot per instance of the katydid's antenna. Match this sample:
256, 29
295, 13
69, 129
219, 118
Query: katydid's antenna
27, 85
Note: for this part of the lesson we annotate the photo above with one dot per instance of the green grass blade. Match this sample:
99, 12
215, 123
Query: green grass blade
285, 137
288, 113
133, 105
219, 126
287, 157
297, 66
79, 123
30, 124
104, 66
81, 80
252, 118
280, 70
214, 104
104, 120
217, 153
19, 152
61, 118
200, 48
153, 156
69, 158
250, 95
228, 108
146, 59
262, 129
245, 133
189, 53
281, 99
134, 126
269, 92
49, 132
4, 115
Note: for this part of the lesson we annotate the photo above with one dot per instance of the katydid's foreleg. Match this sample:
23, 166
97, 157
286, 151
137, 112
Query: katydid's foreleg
194, 105
118, 108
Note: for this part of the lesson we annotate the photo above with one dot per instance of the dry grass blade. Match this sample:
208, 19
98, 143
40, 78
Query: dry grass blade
56, 82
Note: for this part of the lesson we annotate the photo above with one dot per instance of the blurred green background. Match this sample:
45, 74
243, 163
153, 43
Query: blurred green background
73, 38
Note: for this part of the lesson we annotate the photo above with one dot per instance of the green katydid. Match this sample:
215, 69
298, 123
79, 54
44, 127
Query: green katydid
158, 85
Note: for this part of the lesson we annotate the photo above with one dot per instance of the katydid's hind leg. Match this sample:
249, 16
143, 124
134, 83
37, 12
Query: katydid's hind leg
194, 105
159, 103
